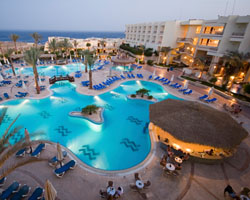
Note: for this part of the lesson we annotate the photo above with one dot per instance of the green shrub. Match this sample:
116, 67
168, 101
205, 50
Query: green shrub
141, 62
133, 95
247, 88
150, 62
150, 97
213, 80
72, 52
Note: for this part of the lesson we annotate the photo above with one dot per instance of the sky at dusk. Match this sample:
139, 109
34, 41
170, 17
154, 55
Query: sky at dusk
108, 15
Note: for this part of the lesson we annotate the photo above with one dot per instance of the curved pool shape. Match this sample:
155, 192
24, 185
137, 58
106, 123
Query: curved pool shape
123, 68
121, 142
52, 70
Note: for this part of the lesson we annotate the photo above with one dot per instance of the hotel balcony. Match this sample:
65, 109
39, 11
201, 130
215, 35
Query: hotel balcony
207, 48
185, 51
185, 40
237, 37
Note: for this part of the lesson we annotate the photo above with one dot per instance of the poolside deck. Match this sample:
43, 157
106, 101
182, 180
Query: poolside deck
196, 181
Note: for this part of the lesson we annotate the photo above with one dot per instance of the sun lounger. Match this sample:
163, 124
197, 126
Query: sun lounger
129, 76
11, 189
157, 78
203, 97
123, 77
1, 98
182, 90
21, 152
188, 92
53, 161
132, 75
167, 83
2, 181
173, 85
6, 95
38, 150
23, 192
37, 194
150, 77
62, 170
210, 100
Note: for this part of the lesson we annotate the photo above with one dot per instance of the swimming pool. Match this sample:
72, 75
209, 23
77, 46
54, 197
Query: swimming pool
52, 70
123, 68
121, 142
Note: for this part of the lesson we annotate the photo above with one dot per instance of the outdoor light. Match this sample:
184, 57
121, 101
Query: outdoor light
188, 150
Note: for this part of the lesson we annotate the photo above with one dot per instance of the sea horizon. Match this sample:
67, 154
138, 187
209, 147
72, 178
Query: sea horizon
25, 34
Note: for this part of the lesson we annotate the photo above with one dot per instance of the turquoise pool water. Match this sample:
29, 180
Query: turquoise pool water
51, 70
123, 68
119, 143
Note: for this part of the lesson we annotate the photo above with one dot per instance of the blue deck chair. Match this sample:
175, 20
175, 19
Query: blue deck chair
203, 97
211, 100
61, 171
23, 192
188, 92
11, 189
150, 77
132, 75
2, 181
177, 87
128, 75
38, 150
37, 194
182, 90
6, 95
21, 152
157, 78
53, 161
123, 77
138, 76
167, 83
174, 84
1, 98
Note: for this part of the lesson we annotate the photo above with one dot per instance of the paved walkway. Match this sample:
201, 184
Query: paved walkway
196, 181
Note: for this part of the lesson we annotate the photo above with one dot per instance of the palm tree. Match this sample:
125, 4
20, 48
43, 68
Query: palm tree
90, 109
90, 62
31, 56
88, 45
8, 56
8, 150
164, 51
75, 43
85, 62
53, 46
235, 62
36, 38
142, 92
14, 38
66, 45
201, 63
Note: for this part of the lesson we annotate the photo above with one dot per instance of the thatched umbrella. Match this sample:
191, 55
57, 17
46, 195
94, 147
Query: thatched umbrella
59, 153
196, 123
50, 191
27, 138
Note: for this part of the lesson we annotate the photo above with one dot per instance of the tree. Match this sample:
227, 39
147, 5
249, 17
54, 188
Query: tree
85, 62
75, 44
164, 51
91, 58
36, 38
8, 55
201, 63
7, 150
65, 45
31, 56
142, 92
90, 109
53, 46
14, 38
235, 62
88, 45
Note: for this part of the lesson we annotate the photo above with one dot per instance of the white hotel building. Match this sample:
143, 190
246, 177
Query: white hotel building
209, 38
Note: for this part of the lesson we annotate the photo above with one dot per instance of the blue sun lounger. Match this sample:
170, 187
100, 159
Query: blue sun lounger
132, 75
37, 194
157, 78
177, 87
11, 189
123, 77
38, 150
62, 170
150, 77
188, 92
6, 95
182, 90
166, 83
23, 192
2, 181
53, 161
211, 100
21, 152
174, 85
203, 97
129, 76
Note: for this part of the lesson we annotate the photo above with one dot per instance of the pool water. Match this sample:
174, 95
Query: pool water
52, 70
123, 68
121, 142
